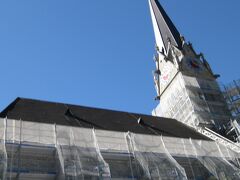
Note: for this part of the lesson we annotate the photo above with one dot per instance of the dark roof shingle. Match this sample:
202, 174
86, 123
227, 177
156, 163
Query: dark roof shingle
72, 115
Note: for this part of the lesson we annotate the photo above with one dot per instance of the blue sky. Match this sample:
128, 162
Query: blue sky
99, 53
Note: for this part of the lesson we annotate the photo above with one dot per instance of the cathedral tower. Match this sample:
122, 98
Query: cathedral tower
185, 84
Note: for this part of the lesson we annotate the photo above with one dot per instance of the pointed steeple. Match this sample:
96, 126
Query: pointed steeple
164, 28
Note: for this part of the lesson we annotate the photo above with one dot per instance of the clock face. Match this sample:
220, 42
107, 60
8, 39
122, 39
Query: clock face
194, 65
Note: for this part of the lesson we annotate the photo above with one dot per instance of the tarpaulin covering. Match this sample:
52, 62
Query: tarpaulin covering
47, 151
79, 154
3, 153
211, 158
154, 158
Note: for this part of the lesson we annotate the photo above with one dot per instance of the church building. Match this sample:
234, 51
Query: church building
185, 138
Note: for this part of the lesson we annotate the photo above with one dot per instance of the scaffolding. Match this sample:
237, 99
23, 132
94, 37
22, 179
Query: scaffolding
80, 155
3, 153
231, 93
35, 151
154, 158
194, 101
217, 164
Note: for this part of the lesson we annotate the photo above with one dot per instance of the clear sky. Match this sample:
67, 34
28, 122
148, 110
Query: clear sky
99, 52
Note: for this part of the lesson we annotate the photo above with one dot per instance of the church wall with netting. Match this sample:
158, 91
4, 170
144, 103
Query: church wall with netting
31, 150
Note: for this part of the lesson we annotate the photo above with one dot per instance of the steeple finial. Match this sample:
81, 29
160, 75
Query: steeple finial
164, 29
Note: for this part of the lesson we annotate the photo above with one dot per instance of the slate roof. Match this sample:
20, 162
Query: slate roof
165, 26
88, 117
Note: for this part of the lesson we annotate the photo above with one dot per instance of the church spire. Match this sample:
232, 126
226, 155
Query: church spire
164, 29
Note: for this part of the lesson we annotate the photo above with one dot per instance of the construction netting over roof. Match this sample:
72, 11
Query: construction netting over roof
33, 150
